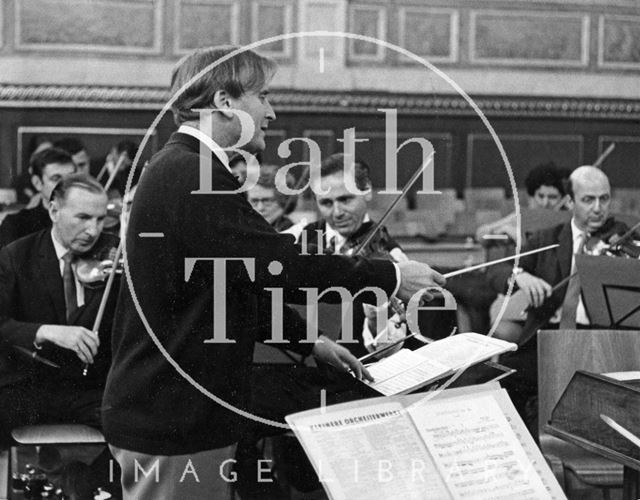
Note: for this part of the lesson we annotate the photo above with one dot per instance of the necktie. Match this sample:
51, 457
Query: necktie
572, 297
69, 282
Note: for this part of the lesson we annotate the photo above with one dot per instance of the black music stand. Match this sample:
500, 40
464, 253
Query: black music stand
610, 290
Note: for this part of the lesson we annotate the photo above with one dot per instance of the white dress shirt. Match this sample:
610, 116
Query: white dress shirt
581, 313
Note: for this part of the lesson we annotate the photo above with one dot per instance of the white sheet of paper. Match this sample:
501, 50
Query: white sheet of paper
360, 453
464, 349
475, 450
403, 372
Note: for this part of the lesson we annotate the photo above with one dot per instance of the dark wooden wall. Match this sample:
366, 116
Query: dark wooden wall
466, 155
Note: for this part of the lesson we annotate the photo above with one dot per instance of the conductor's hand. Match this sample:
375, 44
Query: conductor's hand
537, 289
414, 277
327, 351
83, 342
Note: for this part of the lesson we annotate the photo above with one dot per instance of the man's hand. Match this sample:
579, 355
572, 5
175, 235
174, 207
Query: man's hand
536, 289
415, 276
83, 342
327, 351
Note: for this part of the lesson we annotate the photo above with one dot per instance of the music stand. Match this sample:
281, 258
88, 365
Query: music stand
610, 290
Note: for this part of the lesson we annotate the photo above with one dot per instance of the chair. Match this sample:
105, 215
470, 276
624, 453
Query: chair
40, 435
560, 354
489, 198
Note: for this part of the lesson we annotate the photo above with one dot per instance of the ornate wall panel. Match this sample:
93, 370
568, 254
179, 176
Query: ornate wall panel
529, 38
619, 42
431, 33
322, 15
204, 23
370, 21
271, 18
129, 26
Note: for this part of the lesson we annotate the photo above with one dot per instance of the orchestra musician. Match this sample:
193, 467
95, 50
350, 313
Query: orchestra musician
344, 223
553, 306
47, 311
78, 152
545, 188
269, 202
46, 167
152, 414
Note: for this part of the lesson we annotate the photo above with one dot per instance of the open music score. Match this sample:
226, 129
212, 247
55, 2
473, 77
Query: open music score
407, 371
461, 443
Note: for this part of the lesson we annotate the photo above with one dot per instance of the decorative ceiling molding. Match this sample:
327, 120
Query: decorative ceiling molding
312, 101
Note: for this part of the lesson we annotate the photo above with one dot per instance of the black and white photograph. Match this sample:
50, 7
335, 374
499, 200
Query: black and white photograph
320, 249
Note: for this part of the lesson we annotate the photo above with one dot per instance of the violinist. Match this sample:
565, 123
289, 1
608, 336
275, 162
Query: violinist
47, 313
539, 276
546, 188
344, 223
78, 152
269, 202
46, 167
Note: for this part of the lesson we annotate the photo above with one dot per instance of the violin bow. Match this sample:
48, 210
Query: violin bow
625, 237
115, 171
498, 261
105, 297
35, 356
604, 155
363, 244
120, 161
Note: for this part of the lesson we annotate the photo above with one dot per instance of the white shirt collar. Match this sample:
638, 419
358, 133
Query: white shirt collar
217, 150
339, 240
576, 232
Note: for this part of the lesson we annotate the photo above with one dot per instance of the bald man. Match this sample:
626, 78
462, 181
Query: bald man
590, 197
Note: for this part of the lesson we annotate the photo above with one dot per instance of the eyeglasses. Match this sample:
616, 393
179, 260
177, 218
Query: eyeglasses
267, 202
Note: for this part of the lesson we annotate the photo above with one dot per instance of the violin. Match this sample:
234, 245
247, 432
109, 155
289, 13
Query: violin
94, 266
613, 240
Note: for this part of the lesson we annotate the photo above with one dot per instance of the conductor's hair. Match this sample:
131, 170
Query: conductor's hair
237, 75
80, 181
335, 164
41, 159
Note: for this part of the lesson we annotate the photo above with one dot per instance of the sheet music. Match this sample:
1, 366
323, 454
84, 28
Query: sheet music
475, 450
534, 455
464, 349
404, 371
370, 452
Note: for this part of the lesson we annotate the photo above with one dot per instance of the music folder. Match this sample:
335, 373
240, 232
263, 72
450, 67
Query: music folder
610, 290
460, 443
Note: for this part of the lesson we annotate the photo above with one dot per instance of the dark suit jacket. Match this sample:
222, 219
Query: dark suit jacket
32, 294
149, 406
22, 223
552, 266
